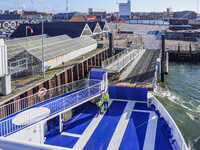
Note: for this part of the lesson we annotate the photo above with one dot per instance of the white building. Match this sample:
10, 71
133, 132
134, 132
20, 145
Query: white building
125, 10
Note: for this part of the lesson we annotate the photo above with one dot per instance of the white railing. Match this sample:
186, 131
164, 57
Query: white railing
16, 106
121, 60
7, 126
175, 130
14, 144
114, 58
18, 66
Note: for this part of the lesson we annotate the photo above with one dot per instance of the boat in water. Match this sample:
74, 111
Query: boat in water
135, 120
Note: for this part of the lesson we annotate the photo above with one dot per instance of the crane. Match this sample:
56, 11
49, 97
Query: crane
66, 10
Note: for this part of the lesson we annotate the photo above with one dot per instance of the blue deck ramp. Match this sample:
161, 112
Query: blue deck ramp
102, 135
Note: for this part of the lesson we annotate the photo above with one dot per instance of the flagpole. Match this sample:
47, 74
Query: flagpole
26, 39
43, 48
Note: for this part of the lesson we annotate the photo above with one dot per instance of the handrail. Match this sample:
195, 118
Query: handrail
7, 127
176, 132
119, 61
21, 104
110, 60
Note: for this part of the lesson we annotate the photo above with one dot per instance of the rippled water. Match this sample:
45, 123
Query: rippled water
180, 95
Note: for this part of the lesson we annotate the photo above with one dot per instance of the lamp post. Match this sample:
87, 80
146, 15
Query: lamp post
43, 48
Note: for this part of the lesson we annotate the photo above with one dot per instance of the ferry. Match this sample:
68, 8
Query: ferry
136, 120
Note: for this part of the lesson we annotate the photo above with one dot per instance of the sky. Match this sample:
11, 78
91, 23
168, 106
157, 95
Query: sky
55, 6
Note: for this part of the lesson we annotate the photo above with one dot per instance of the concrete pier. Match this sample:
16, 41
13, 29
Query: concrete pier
6, 85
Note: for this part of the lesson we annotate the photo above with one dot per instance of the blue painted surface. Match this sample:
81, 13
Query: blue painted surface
62, 141
105, 129
130, 138
78, 124
97, 74
162, 141
140, 120
143, 106
128, 93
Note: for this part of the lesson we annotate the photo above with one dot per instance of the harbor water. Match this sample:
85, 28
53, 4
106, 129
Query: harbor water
180, 95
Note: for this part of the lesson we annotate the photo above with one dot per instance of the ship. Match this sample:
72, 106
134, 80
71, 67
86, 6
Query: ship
135, 120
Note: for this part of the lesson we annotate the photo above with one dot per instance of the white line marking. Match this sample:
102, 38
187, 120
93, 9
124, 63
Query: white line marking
121, 127
144, 111
150, 137
89, 131
123, 100
70, 134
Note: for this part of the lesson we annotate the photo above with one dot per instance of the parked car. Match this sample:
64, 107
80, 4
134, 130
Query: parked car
4, 35
7, 31
12, 30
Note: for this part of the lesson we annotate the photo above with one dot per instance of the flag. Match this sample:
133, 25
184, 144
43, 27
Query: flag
30, 29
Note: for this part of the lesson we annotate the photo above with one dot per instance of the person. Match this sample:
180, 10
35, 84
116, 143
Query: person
105, 98
99, 105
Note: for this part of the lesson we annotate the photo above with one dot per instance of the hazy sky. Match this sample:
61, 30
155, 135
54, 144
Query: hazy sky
98, 5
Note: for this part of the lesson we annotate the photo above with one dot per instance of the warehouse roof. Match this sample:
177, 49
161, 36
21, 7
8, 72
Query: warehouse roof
18, 46
72, 29
95, 27
60, 48
21, 40
104, 26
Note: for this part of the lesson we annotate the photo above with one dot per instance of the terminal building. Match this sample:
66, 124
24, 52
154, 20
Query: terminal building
125, 10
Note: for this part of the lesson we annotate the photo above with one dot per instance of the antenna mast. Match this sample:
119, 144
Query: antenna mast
66, 10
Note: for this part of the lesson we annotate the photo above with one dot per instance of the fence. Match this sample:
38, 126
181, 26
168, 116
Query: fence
92, 89
182, 48
119, 61
32, 100
18, 66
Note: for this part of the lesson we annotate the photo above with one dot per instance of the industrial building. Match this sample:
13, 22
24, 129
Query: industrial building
125, 10
185, 15
72, 29
57, 50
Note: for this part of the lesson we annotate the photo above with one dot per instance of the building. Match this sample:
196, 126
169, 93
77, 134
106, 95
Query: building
125, 10
90, 10
78, 18
99, 15
10, 16
31, 15
72, 29
1, 11
185, 15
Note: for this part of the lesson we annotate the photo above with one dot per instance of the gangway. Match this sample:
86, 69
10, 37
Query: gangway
118, 62
21, 122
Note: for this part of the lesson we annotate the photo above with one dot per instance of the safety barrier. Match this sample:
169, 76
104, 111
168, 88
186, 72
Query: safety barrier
119, 61
31, 116
16, 106
176, 132
18, 66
